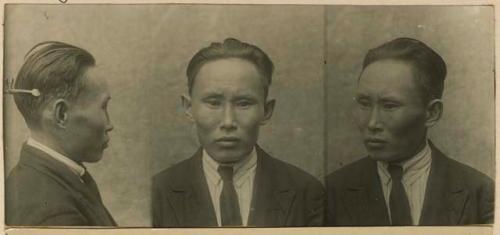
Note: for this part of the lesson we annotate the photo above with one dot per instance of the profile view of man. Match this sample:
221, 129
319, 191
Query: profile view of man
406, 179
64, 103
230, 180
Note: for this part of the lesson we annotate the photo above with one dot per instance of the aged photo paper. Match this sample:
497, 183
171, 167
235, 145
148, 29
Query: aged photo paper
249, 117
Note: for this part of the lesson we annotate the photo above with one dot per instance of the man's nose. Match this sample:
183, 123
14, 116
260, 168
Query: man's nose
109, 127
374, 119
228, 118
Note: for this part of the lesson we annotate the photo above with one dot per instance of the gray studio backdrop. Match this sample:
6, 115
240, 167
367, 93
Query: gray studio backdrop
143, 51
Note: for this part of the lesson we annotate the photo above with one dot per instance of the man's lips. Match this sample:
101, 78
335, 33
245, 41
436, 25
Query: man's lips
375, 142
228, 141
105, 145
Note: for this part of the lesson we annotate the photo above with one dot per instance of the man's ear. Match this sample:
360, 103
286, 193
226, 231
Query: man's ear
268, 111
186, 104
434, 112
59, 111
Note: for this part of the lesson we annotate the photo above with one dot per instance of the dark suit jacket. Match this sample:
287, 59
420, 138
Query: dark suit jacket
283, 195
456, 194
41, 191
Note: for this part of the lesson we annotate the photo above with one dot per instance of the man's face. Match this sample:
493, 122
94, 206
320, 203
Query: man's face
391, 114
228, 105
88, 123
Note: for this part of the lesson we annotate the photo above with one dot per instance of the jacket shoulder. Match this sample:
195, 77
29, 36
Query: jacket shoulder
467, 174
36, 198
176, 173
27, 181
351, 170
286, 170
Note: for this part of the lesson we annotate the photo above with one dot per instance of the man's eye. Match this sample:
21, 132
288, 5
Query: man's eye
390, 106
364, 103
213, 102
244, 103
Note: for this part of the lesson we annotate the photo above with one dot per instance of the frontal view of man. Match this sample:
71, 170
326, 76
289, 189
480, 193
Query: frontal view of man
230, 180
64, 104
405, 180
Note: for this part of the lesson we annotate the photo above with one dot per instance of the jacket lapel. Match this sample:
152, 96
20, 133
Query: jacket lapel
445, 196
191, 199
364, 199
41, 161
272, 196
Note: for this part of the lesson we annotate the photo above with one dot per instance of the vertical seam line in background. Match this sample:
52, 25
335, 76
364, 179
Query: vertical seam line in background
325, 96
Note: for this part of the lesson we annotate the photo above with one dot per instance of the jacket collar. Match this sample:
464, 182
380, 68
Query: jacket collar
271, 200
364, 198
58, 171
43, 162
272, 196
77, 168
444, 201
445, 195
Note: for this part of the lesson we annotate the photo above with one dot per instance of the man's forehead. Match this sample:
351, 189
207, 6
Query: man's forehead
229, 77
391, 73
94, 76
94, 84
94, 72
232, 66
389, 79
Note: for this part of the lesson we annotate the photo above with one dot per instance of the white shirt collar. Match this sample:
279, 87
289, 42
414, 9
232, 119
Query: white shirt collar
413, 166
240, 168
72, 165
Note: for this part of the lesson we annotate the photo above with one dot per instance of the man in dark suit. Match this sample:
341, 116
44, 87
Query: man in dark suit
231, 181
64, 104
405, 180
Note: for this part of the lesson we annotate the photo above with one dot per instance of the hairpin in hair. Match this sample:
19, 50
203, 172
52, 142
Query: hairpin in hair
33, 92
11, 90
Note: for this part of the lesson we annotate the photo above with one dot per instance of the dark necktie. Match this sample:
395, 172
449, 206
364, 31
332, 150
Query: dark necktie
94, 191
398, 200
91, 185
229, 206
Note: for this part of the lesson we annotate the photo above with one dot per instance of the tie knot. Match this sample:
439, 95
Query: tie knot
86, 177
226, 173
396, 171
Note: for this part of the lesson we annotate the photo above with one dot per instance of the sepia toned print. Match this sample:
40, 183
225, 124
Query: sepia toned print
191, 115
406, 179
68, 121
231, 181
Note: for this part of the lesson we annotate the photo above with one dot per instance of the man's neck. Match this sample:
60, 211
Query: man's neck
419, 149
237, 164
50, 142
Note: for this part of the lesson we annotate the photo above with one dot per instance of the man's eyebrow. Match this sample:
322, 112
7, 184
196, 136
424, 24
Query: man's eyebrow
390, 98
361, 95
212, 94
245, 96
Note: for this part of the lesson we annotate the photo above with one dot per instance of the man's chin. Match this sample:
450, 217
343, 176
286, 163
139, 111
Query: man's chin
227, 158
376, 156
93, 158
385, 158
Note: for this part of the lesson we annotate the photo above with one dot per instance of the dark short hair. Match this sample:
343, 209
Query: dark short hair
54, 68
428, 66
231, 48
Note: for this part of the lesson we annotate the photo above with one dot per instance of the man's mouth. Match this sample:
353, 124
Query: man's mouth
106, 144
228, 141
375, 142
